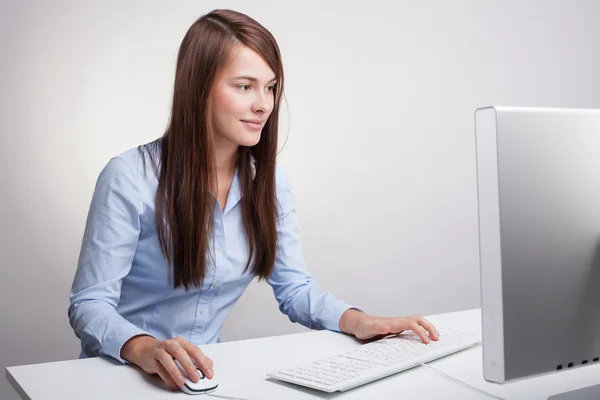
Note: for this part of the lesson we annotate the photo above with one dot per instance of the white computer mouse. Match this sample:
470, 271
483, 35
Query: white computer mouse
204, 385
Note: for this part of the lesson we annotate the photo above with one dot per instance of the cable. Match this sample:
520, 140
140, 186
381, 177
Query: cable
225, 397
429, 367
493, 396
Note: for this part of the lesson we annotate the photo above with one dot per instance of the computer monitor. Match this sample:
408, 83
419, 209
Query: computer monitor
538, 174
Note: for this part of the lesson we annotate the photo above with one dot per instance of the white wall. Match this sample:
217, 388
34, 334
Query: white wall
380, 151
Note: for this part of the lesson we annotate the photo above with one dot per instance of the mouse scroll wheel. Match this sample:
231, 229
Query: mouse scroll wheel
200, 372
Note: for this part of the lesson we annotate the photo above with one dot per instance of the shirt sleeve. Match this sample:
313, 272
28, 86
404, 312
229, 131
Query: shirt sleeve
294, 287
109, 244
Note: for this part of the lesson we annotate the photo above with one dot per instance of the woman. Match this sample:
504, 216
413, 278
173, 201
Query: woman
178, 228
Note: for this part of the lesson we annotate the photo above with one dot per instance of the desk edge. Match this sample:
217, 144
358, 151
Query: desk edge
15, 385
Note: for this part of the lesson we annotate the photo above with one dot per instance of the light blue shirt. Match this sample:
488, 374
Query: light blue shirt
121, 287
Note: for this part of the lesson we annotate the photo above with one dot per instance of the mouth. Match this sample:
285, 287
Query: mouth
254, 124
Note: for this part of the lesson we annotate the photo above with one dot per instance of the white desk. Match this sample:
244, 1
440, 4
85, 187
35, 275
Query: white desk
241, 367
467, 367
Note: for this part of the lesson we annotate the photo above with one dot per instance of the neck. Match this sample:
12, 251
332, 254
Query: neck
225, 158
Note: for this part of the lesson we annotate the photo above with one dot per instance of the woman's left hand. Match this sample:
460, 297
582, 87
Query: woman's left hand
365, 326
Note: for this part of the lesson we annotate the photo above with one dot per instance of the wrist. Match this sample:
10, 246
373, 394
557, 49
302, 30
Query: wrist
349, 320
133, 348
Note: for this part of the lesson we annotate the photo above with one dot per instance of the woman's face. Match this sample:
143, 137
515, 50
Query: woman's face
243, 99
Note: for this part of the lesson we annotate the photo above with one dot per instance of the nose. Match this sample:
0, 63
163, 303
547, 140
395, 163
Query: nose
263, 103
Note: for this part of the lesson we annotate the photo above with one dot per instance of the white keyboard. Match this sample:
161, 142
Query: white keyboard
374, 360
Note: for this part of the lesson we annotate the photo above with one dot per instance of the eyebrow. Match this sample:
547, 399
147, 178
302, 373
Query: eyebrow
252, 79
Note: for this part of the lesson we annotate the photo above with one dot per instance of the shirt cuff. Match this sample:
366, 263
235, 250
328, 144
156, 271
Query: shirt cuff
118, 337
333, 313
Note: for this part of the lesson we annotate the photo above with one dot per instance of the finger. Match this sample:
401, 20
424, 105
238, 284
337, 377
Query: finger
416, 328
167, 362
398, 325
165, 376
181, 355
433, 332
202, 361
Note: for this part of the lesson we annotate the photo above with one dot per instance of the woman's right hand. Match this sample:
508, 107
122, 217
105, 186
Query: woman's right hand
158, 357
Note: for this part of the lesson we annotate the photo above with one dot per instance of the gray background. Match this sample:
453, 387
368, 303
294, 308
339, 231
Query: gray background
379, 122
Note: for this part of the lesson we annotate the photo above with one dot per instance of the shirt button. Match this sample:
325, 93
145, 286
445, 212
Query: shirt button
216, 285
202, 311
220, 250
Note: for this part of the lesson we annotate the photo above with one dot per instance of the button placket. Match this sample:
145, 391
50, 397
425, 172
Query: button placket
202, 306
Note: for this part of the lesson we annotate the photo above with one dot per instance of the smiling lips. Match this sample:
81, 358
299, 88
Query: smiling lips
255, 124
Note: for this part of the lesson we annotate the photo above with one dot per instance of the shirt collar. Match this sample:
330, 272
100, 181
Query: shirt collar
235, 191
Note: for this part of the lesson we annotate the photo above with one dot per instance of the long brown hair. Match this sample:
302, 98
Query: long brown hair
186, 175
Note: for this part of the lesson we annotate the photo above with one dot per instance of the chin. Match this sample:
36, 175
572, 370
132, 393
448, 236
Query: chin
249, 140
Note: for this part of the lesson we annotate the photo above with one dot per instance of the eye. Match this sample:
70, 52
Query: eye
271, 88
244, 87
